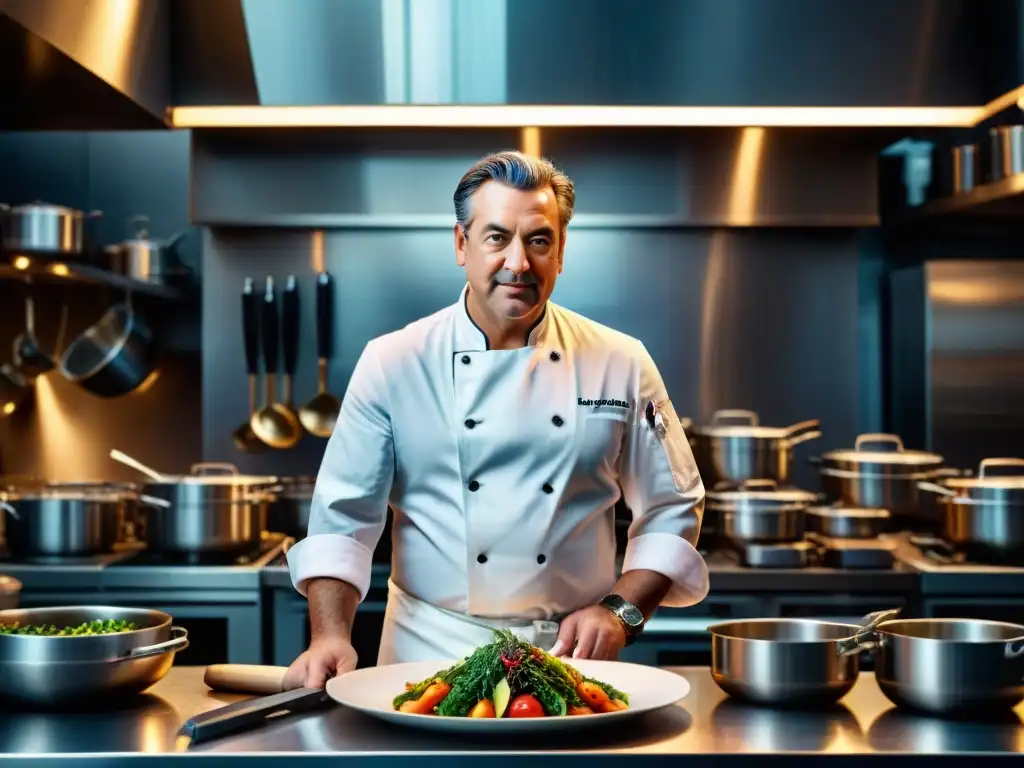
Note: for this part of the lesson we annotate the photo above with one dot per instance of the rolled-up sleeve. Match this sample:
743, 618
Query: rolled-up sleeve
661, 485
349, 506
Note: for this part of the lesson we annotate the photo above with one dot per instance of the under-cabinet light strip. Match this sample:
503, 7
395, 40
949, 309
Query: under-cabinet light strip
518, 116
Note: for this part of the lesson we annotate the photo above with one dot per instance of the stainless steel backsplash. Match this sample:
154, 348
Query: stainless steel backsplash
769, 320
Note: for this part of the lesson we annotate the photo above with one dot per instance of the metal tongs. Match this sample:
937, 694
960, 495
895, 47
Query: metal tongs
864, 639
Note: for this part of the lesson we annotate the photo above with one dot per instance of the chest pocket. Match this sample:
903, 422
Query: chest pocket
601, 440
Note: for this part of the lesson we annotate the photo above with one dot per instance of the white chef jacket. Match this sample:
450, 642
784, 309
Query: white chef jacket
502, 468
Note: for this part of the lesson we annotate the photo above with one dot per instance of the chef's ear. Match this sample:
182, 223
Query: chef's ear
561, 251
460, 245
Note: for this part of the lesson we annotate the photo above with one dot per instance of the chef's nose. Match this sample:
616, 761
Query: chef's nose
515, 258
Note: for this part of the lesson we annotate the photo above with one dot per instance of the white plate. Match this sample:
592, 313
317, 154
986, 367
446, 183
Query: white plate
372, 689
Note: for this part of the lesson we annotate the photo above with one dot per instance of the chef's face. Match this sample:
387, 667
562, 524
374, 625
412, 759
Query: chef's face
511, 248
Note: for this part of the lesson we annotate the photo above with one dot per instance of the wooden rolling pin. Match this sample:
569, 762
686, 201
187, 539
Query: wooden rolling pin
245, 678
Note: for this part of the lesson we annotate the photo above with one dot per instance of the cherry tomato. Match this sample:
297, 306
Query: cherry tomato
525, 705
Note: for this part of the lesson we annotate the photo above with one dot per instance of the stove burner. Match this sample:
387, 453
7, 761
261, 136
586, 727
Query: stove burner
942, 552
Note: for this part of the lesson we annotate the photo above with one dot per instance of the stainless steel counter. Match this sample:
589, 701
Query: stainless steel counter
706, 724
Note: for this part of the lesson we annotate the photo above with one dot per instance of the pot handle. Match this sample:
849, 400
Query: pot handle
749, 417
203, 467
9, 510
1019, 463
1014, 649
936, 489
879, 437
178, 642
791, 441
866, 638
153, 501
803, 426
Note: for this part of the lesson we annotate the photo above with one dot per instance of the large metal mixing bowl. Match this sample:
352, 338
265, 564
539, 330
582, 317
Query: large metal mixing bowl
86, 669
783, 662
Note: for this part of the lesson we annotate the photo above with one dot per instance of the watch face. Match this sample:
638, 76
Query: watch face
632, 615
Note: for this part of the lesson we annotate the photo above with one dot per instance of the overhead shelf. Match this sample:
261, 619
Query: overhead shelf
998, 199
39, 270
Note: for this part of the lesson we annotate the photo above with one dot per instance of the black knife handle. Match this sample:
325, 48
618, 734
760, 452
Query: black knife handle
269, 330
243, 715
290, 325
251, 328
324, 316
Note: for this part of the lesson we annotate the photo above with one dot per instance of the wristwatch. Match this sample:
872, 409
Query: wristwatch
629, 615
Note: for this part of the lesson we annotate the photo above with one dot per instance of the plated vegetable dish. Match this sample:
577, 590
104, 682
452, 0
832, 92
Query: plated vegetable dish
509, 678
98, 627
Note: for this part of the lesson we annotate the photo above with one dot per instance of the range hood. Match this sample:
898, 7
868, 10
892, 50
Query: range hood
84, 64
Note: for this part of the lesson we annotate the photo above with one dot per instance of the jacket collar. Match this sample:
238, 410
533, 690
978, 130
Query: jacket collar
469, 337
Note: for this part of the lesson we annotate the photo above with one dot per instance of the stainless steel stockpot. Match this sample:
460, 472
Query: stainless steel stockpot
213, 510
985, 512
64, 520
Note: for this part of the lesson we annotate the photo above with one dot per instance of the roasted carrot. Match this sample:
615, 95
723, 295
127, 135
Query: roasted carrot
426, 703
593, 695
483, 708
580, 711
616, 705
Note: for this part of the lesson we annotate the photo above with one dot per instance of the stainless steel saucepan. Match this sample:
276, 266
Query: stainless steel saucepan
839, 522
946, 666
985, 512
879, 473
787, 662
88, 669
759, 511
735, 447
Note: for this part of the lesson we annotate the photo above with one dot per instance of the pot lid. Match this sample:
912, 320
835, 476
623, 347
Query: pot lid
47, 207
893, 452
761, 490
741, 423
1010, 480
839, 512
216, 473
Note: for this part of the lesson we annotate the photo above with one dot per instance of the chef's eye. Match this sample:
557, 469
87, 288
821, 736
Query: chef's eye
494, 237
539, 242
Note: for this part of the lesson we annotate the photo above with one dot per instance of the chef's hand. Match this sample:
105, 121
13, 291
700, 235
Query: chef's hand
327, 657
594, 632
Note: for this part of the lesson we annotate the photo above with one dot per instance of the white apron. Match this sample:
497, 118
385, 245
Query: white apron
418, 631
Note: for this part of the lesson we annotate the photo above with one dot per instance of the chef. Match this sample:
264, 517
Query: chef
501, 430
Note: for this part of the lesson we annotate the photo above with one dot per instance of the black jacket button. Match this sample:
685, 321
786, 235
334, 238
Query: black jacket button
465, 359
481, 559
541, 559
557, 421
473, 485
470, 423
555, 357
547, 488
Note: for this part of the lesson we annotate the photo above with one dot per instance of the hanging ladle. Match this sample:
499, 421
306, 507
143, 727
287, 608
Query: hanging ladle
29, 358
244, 437
320, 414
274, 424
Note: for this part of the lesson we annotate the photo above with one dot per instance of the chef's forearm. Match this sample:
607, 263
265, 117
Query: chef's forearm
644, 589
332, 607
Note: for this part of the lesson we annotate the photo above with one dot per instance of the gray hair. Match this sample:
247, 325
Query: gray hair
518, 171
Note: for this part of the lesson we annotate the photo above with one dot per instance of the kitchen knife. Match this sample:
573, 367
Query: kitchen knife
245, 678
243, 715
